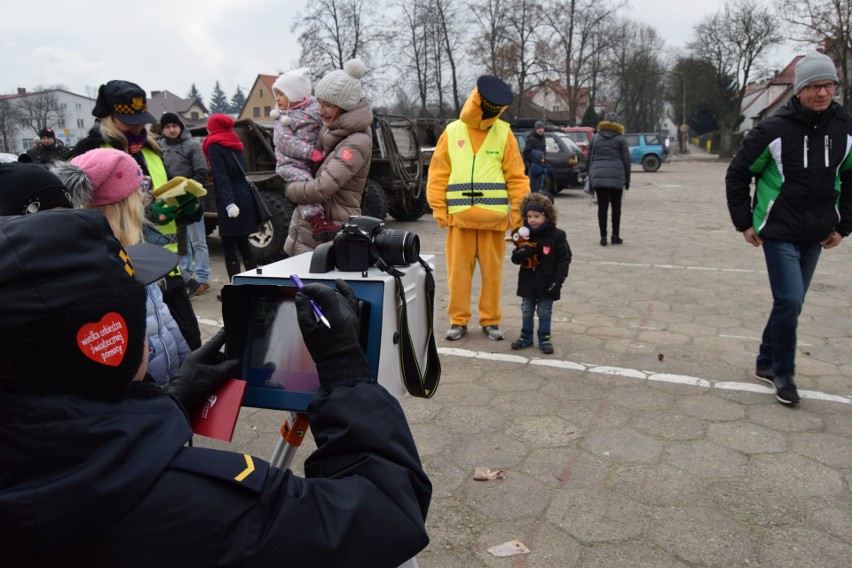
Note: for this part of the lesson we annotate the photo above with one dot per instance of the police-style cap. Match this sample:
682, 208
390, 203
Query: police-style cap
494, 90
125, 100
54, 259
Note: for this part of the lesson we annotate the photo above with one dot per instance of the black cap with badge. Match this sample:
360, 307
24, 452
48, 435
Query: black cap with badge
495, 95
125, 100
72, 320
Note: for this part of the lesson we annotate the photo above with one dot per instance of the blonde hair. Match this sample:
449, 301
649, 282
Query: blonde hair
126, 218
109, 131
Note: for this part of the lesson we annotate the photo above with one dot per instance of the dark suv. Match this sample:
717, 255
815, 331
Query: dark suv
563, 155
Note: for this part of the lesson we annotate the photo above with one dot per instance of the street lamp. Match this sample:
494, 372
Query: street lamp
684, 127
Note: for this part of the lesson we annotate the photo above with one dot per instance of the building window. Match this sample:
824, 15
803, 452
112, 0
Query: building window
81, 123
78, 106
260, 92
60, 123
554, 108
267, 110
255, 112
193, 115
63, 106
28, 142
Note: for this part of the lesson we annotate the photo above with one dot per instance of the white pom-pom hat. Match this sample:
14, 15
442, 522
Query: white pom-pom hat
342, 87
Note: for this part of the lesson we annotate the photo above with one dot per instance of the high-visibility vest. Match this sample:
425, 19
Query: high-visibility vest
477, 180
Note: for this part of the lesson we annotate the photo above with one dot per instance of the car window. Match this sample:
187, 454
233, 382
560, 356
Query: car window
551, 146
632, 139
522, 141
572, 146
578, 137
653, 140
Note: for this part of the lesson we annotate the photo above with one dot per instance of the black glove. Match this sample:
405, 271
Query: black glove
336, 351
524, 251
202, 372
626, 186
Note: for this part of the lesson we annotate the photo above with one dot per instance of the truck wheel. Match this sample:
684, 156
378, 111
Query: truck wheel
651, 163
409, 208
374, 202
268, 243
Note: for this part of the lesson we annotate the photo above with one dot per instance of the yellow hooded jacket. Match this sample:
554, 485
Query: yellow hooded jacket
517, 183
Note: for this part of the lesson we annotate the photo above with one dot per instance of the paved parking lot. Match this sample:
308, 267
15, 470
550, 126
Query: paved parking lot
642, 441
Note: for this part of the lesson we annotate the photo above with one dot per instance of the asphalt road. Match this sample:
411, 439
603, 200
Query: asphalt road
642, 441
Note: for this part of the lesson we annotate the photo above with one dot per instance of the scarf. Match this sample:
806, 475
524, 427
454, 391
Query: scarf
136, 141
220, 130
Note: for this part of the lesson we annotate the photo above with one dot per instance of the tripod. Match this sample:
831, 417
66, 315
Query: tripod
293, 432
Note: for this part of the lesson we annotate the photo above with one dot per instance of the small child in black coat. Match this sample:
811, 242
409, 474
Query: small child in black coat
544, 256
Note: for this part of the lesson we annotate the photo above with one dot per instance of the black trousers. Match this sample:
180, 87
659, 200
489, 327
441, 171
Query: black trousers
607, 196
177, 299
230, 245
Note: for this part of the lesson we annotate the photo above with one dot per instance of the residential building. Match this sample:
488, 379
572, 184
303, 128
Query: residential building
191, 110
551, 101
260, 100
764, 99
69, 115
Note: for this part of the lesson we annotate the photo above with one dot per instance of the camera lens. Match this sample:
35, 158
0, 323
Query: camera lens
397, 247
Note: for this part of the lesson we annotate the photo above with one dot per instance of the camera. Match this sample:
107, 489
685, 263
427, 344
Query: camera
394, 286
362, 243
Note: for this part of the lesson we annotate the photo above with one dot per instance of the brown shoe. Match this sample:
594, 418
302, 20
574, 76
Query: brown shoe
202, 288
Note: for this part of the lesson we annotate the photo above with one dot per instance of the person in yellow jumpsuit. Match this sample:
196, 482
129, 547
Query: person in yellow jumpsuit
476, 183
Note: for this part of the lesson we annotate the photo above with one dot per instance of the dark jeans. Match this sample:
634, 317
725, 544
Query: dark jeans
230, 245
790, 268
177, 299
529, 306
607, 196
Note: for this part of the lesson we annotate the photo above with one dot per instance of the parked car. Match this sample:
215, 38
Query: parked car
648, 149
563, 155
582, 136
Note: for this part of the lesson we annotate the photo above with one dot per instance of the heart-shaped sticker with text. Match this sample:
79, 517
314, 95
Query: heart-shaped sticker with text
104, 342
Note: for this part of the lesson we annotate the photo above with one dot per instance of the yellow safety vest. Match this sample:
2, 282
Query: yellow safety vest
477, 180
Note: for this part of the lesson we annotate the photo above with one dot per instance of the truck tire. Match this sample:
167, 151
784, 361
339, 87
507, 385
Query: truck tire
268, 243
374, 202
651, 163
409, 208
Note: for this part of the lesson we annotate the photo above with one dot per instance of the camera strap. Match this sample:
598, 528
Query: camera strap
421, 384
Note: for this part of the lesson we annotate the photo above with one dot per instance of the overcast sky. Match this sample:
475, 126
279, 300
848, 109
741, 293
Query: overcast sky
169, 44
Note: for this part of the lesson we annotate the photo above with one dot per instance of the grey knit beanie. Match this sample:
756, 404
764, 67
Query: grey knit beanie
814, 67
342, 87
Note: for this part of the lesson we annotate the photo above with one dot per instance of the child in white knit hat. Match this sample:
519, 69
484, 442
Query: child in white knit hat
297, 127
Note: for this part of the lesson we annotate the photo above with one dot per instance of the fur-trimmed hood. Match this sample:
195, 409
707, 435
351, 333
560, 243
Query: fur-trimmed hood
607, 125
540, 200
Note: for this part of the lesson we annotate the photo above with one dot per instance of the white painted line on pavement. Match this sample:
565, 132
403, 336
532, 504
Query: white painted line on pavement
635, 374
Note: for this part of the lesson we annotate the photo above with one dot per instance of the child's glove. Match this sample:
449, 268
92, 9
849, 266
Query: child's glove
163, 213
317, 156
188, 205
233, 211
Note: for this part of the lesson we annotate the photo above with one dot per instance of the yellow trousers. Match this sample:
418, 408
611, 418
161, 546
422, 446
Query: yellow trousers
464, 248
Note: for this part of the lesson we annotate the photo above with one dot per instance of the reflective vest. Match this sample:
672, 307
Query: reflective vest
477, 179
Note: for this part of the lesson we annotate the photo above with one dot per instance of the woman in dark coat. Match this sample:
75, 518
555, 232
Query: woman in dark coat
238, 215
609, 173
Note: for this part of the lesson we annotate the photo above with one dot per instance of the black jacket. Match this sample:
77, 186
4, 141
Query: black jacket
554, 254
91, 483
803, 167
534, 142
227, 167
46, 154
609, 157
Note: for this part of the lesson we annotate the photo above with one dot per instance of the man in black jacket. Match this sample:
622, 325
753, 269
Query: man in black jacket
535, 141
802, 204
96, 468
48, 148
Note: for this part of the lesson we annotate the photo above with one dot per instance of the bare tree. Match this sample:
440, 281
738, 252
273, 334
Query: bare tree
827, 23
636, 71
577, 27
40, 109
490, 41
449, 37
10, 120
734, 41
335, 31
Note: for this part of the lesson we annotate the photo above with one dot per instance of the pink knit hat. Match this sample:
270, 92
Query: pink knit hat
113, 173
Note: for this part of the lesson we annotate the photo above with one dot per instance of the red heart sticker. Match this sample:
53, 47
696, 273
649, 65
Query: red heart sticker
346, 154
461, 143
104, 342
545, 249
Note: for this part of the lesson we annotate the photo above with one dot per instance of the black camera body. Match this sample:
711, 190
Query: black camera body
362, 243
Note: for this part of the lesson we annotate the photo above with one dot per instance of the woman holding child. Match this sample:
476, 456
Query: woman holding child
347, 142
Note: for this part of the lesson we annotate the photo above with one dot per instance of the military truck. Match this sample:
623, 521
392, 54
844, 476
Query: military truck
396, 184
